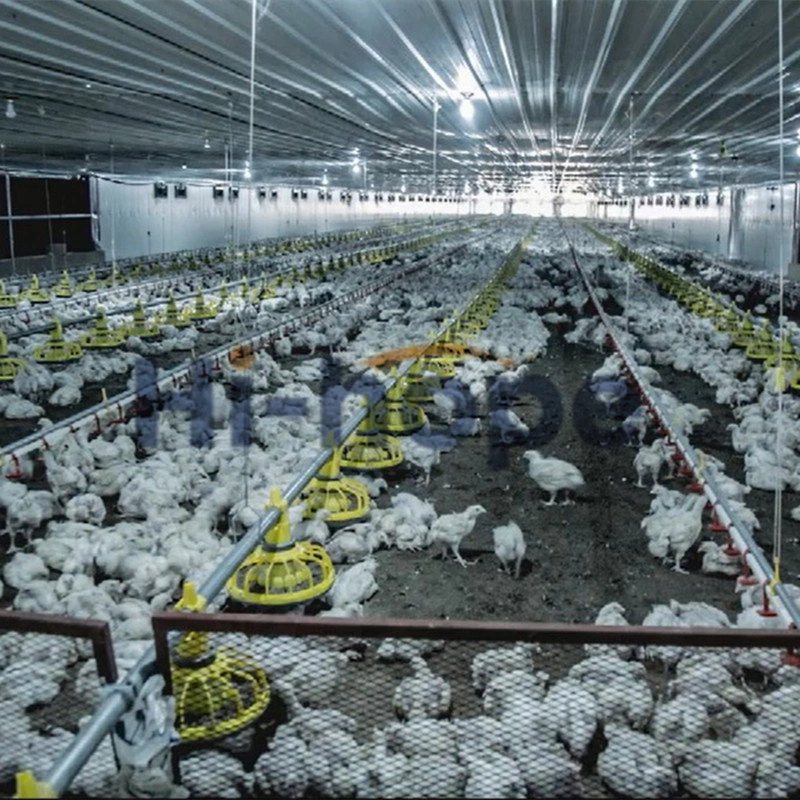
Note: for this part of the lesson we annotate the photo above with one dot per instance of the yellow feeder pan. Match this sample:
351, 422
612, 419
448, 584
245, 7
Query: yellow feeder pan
395, 414
102, 336
57, 349
790, 355
745, 333
34, 293
218, 690
172, 316
453, 342
347, 499
244, 287
763, 345
63, 288
140, 326
115, 278
419, 387
727, 321
7, 300
90, 284
439, 366
369, 448
201, 309
9, 365
279, 572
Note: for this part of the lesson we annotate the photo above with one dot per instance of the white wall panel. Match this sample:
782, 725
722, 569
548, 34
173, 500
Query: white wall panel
755, 238
127, 212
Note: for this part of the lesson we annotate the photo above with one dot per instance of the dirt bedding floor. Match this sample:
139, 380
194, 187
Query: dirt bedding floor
579, 557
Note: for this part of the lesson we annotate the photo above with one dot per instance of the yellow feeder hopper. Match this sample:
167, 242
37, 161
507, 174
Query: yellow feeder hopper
101, 335
7, 300
280, 573
34, 293
57, 349
9, 365
218, 690
63, 288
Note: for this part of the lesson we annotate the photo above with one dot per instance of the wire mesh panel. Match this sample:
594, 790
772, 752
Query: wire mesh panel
52, 671
389, 708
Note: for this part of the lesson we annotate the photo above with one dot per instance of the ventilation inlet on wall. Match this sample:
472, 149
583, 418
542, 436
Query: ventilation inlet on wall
160, 189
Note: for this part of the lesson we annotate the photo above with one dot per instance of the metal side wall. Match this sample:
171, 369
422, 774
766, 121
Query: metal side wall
747, 226
133, 222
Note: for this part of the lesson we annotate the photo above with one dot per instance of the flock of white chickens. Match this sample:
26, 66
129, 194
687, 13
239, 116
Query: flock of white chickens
115, 533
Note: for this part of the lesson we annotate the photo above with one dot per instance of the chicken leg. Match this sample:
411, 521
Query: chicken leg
678, 558
551, 501
459, 558
516, 569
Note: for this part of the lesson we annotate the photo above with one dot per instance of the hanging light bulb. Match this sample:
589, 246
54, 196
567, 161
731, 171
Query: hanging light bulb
403, 188
325, 178
356, 168
11, 112
206, 143
693, 172
651, 181
467, 109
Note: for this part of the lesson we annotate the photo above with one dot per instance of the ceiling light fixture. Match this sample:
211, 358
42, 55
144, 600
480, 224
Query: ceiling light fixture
88, 85
325, 178
403, 188
466, 108
693, 172
183, 166
651, 181
11, 112
356, 168
206, 143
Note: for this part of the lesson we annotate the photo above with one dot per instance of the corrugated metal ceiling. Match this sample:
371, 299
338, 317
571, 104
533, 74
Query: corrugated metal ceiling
552, 84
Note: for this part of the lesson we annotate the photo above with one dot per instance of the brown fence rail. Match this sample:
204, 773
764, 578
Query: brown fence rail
52, 670
285, 706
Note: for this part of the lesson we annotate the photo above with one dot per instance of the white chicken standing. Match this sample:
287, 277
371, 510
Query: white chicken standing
423, 695
449, 529
676, 531
553, 474
509, 545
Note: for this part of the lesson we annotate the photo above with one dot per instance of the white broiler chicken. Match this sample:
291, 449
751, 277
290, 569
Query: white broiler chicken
633, 765
497, 660
553, 475
676, 531
354, 543
717, 559
449, 529
423, 695
611, 614
509, 546
354, 585
648, 461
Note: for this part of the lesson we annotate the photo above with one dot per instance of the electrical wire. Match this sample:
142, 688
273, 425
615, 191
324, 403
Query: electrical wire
779, 376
